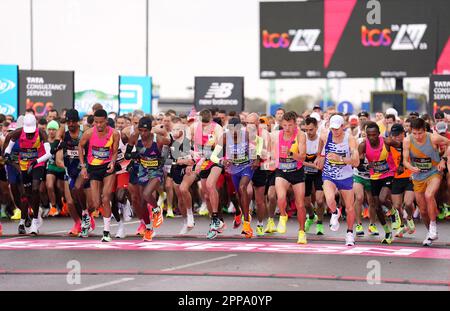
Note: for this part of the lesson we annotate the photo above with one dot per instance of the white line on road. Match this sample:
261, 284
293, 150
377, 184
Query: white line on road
103, 285
199, 262
113, 225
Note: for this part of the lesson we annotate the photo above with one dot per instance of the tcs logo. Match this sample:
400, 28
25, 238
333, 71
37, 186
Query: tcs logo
296, 40
375, 37
398, 37
275, 40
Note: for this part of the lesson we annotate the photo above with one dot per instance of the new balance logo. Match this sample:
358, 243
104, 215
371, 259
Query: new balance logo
409, 37
220, 90
304, 40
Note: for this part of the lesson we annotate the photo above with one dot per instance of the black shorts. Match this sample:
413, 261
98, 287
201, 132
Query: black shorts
400, 185
313, 179
205, 173
177, 173
98, 172
38, 173
3, 173
59, 175
294, 177
378, 184
260, 178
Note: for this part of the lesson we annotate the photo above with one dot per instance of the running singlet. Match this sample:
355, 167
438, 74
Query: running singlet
99, 151
381, 163
424, 157
238, 153
149, 158
51, 164
70, 153
336, 170
397, 155
204, 144
286, 149
312, 149
30, 149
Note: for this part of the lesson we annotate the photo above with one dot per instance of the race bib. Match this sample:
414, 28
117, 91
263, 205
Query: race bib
149, 163
380, 167
73, 154
287, 164
424, 164
101, 153
27, 154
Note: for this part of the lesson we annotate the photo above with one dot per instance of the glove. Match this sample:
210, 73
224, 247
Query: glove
32, 164
7, 157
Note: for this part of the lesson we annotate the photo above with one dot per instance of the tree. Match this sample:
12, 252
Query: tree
299, 103
255, 105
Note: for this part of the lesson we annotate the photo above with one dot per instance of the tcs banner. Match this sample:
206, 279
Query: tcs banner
9, 90
135, 93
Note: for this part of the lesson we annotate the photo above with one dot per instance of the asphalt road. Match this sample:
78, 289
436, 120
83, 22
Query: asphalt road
229, 263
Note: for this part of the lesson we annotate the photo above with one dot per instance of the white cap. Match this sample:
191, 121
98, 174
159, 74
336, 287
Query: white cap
29, 123
336, 121
392, 111
316, 116
19, 121
441, 127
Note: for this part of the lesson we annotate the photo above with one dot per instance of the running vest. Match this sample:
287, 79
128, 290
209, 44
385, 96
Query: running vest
364, 173
380, 159
286, 149
99, 151
70, 151
30, 149
336, 170
312, 150
397, 155
424, 157
149, 158
204, 144
51, 164
238, 153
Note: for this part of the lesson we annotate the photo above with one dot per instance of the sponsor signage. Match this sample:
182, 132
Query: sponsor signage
45, 90
135, 93
225, 93
440, 93
9, 90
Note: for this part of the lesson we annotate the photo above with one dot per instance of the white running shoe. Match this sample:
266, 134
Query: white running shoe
190, 220
184, 229
334, 221
432, 233
349, 239
427, 241
121, 234
231, 209
34, 229
416, 213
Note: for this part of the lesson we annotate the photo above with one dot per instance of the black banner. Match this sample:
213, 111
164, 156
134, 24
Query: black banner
225, 93
338, 39
45, 90
440, 93
381, 101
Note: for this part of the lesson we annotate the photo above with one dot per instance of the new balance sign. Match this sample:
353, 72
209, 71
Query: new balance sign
222, 92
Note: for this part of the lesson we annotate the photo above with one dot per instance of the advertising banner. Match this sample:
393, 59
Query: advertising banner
225, 93
440, 93
90, 90
135, 93
9, 90
45, 90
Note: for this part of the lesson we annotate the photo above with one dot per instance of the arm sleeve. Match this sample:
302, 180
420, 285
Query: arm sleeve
10, 146
47, 154
259, 146
215, 155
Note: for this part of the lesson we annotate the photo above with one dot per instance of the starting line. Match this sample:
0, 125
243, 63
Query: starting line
218, 246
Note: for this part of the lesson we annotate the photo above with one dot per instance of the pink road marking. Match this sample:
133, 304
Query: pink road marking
218, 246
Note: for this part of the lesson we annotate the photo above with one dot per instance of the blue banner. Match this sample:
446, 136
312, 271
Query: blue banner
135, 93
8, 90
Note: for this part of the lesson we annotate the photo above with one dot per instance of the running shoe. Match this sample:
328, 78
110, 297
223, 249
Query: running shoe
16, 215
319, 229
95, 214
400, 231
222, 226
231, 208
334, 221
411, 226
64, 211
427, 241
127, 212
141, 229
169, 213
106, 236
121, 233
388, 238
76, 229
309, 222
442, 212
216, 223
34, 229
162, 199
270, 227
349, 239
3, 214
432, 234
373, 230
85, 225
359, 230
148, 235
396, 223
247, 230
53, 211
203, 210
21, 230
28, 221
157, 217
259, 230
190, 221
92, 224
301, 237
237, 221
184, 229
281, 228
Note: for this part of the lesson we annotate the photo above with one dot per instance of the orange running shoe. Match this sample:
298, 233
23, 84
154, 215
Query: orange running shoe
95, 214
247, 230
237, 221
76, 229
148, 235
366, 213
53, 211
157, 217
141, 229
65, 210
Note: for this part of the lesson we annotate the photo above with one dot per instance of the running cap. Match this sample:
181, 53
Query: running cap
336, 121
29, 123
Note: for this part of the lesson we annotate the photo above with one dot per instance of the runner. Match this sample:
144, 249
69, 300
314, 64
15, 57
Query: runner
34, 151
103, 145
421, 156
339, 154
291, 152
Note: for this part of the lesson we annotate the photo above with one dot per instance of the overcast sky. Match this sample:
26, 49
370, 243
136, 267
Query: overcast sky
186, 39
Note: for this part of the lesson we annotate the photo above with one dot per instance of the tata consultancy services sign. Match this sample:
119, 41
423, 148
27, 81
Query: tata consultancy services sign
9, 90
135, 93
225, 93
